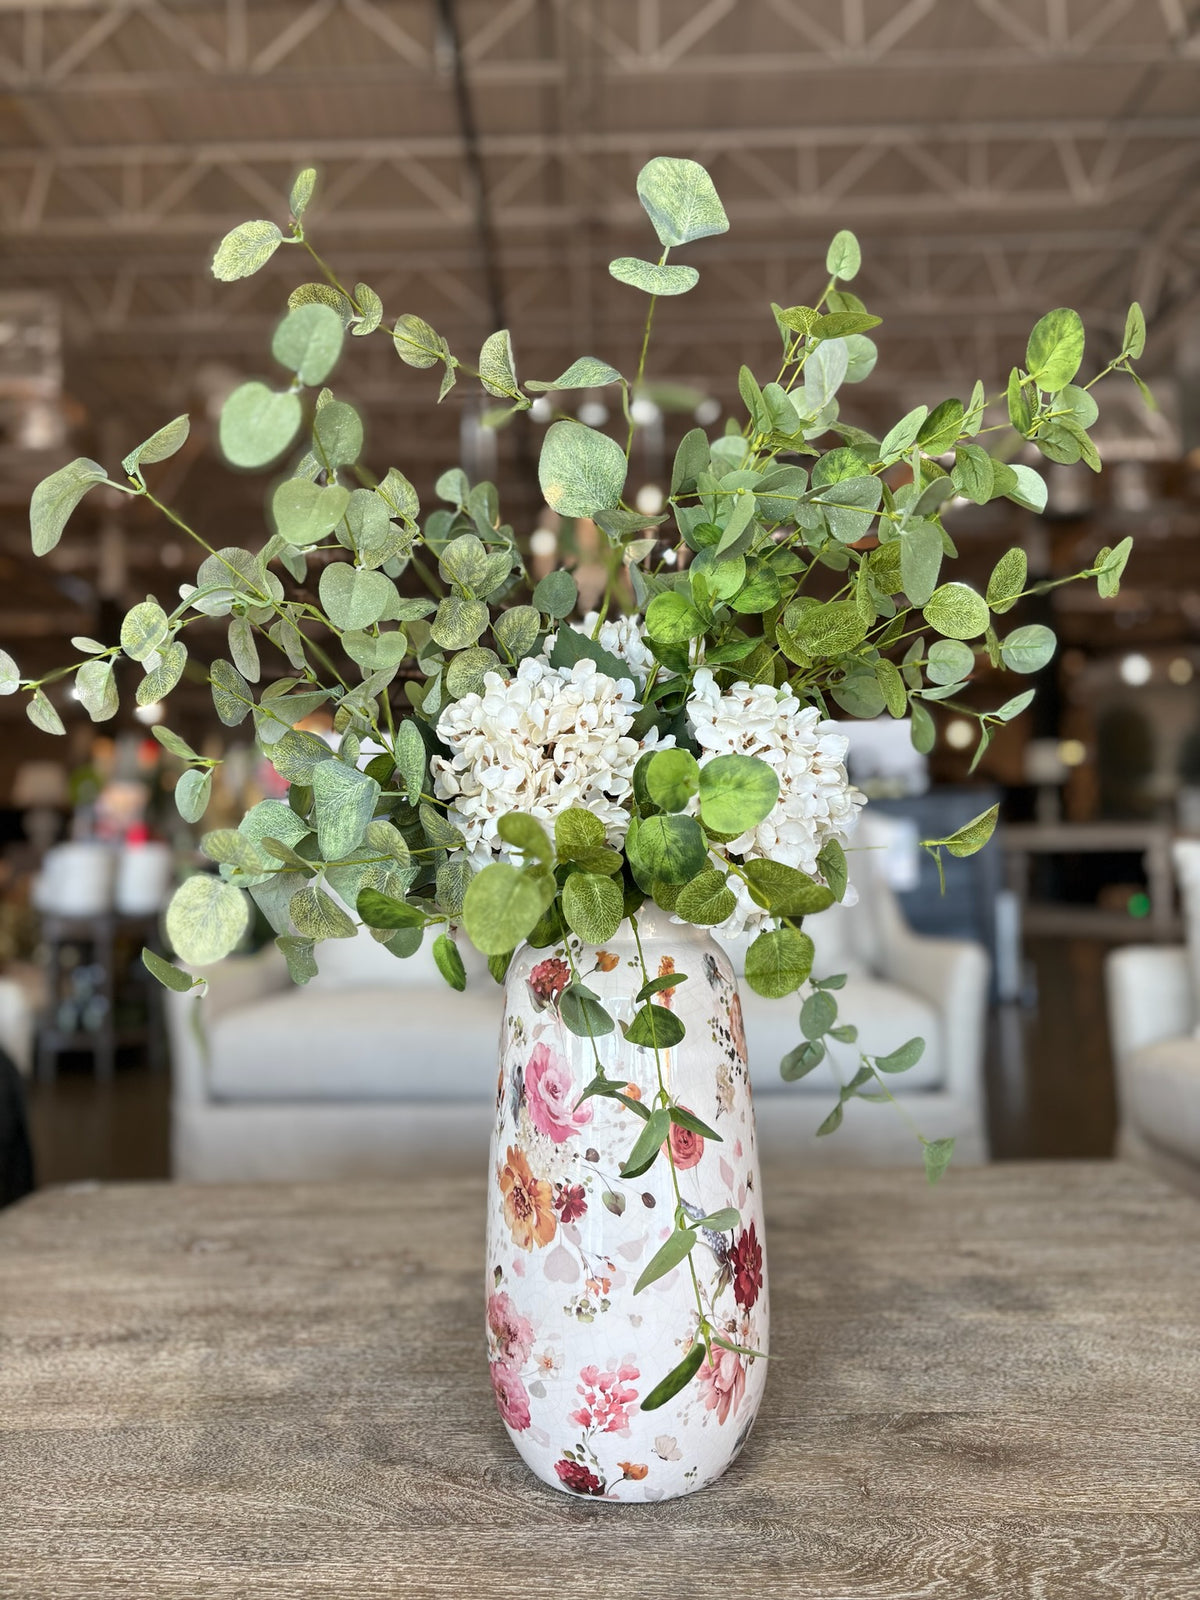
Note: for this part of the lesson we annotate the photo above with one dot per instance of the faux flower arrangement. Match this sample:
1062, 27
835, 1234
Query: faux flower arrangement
502, 769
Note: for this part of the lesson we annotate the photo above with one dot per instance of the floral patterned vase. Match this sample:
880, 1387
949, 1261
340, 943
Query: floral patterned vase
572, 1350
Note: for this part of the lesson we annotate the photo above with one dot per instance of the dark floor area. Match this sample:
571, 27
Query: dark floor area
1049, 1085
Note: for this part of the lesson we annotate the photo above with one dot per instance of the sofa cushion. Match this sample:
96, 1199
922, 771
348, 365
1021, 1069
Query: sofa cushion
364, 963
414, 1043
1160, 1088
885, 1016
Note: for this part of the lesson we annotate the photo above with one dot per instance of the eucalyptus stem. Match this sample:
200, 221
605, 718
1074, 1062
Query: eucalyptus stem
665, 1100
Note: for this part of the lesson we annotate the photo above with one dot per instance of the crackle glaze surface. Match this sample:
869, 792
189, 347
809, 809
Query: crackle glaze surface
572, 1351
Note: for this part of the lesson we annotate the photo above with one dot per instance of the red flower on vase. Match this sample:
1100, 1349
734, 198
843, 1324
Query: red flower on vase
570, 1201
547, 981
745, 1262
575, 1476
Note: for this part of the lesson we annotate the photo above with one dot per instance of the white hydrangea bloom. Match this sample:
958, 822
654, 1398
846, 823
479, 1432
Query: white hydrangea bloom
816, 800
544, 740
620, 636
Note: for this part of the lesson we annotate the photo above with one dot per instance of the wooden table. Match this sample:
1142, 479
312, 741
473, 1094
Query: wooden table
989, 1390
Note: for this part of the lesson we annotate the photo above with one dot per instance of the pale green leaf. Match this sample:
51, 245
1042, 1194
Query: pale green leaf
580, 470
586, 373
1055, 349
497, 371
306, 512
245, 249
843, 258
679, 198
96, 689
56, 497
308, 342
653, 278
158, 447
206, 919
344, 801
257, 425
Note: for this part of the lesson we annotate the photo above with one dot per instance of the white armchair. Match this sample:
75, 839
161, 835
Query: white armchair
1153, 1015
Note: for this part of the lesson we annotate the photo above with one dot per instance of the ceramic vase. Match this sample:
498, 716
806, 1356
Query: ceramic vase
573, 1350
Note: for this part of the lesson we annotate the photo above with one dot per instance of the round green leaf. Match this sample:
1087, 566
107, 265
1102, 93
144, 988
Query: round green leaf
337, 434
1055, 349
257, 425
671, 847
305, 512
653, 278
706, 900
526, 834
672, 618
143, 630
354, 598
44, 714
556, 594
672, 778
370, 310
580, 471
843, 258
679, 198
594, 906
502, 905
206, 918
417, 344
308, 342
778, 962
10, 673
957, 612
317, 915
736, 793
245, 249
949, 661
1028, 649
97, 690
785, 891
192, 794
458, 623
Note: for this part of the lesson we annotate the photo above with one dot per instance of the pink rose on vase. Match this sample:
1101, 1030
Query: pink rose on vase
511, 1396
551, 1096
512, 1332
722, 1381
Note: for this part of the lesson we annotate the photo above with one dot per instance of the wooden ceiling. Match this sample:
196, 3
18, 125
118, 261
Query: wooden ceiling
995, 157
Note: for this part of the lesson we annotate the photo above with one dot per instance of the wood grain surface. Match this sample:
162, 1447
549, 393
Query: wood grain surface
984, 1392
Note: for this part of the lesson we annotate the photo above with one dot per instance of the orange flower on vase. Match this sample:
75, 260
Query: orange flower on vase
666, 968
636, 1470
606, 961
528, 1203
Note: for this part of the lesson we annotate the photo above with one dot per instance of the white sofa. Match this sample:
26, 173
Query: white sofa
376, 1068
1154, 1022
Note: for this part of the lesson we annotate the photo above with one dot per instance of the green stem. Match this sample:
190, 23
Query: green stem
665, 1100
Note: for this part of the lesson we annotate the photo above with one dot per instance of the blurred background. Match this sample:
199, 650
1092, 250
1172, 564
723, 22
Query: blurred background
477, 159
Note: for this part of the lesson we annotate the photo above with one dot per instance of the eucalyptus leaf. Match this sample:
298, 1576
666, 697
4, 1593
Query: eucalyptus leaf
652, 277
679, 198
308, 342
56, 497
245, 249
257, 425
580, 470
206, 919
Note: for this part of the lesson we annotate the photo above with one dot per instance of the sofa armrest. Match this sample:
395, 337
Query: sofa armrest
1149, 997
952, 976
232, 984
